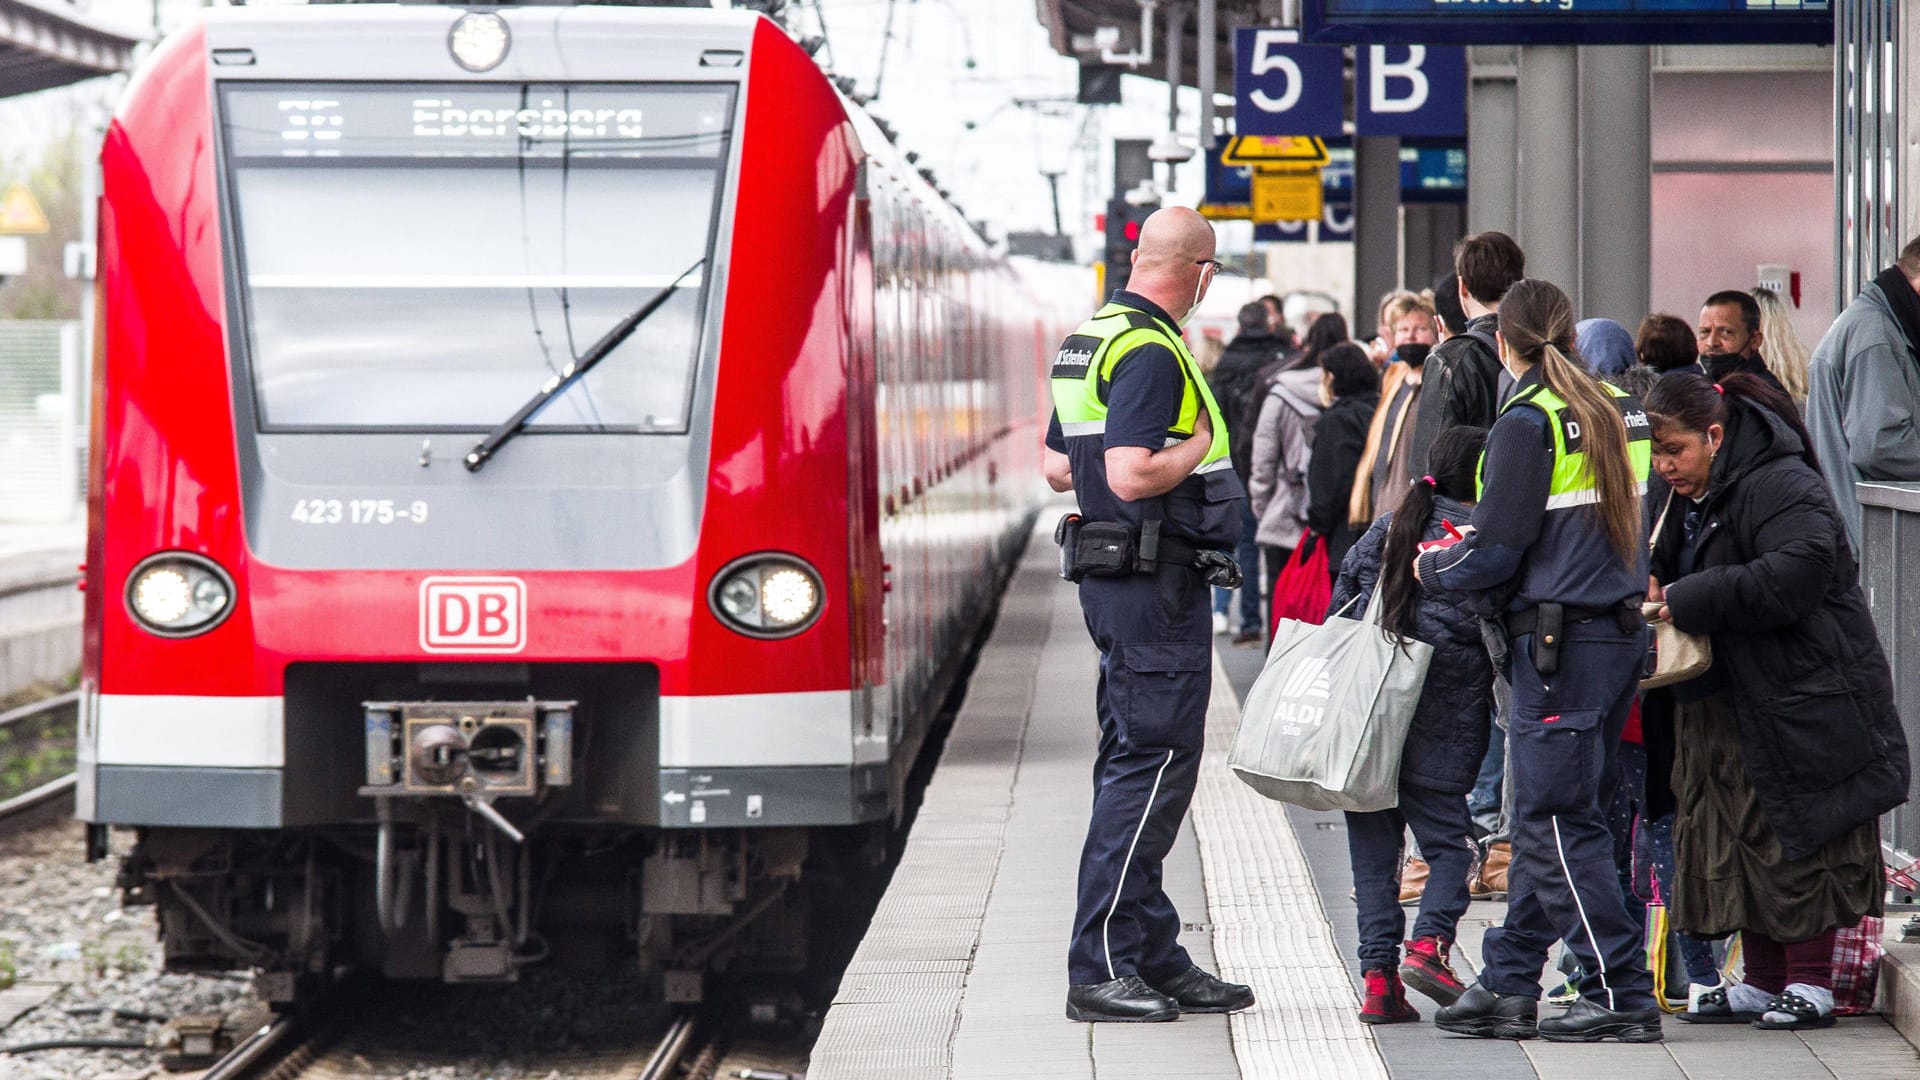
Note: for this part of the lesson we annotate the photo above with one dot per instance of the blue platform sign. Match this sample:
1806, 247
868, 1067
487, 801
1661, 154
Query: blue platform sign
1569, 22
1412, 91
1281, 87
1433, 171
1336, 227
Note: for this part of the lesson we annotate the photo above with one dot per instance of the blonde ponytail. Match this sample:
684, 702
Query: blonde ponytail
1536, 319
1604, 443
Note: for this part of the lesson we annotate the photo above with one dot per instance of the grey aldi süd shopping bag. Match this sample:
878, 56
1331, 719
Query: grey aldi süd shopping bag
1326, 721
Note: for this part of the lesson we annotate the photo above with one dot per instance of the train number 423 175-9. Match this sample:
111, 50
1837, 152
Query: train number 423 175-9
359, 512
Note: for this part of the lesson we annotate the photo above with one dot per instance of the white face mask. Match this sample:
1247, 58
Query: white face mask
1199, 289
1508, 368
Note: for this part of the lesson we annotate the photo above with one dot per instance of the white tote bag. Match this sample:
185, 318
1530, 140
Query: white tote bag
1326, 721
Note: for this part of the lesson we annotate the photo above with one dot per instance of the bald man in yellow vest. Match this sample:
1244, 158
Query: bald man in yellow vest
1137, 436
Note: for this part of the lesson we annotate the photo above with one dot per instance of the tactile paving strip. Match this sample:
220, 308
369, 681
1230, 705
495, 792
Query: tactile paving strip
1269, 929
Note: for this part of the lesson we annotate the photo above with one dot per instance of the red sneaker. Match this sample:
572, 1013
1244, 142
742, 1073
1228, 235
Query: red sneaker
1386, 1001
1429, 970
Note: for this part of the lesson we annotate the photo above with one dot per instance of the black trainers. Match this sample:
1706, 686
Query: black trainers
1126, 1000
1197, 991
1484, 1014
1590, 1022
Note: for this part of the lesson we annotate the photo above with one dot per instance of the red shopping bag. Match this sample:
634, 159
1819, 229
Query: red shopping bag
1856, 967
1304, 588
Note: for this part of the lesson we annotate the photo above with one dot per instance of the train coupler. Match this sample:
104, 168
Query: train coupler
473, 751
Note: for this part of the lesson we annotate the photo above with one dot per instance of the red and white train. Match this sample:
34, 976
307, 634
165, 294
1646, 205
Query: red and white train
372, 692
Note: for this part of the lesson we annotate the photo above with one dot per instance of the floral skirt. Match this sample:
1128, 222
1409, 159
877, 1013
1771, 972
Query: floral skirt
1729, 871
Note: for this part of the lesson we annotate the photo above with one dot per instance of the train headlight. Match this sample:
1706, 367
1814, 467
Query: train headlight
479, 40
175, 594
767, 596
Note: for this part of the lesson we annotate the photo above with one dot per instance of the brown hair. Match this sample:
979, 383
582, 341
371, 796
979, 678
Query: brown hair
1536, 321
1666, 342
1488, 264
1909, 261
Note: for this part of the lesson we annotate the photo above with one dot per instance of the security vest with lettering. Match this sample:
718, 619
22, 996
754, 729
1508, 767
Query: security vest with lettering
1083, 369
1573, 482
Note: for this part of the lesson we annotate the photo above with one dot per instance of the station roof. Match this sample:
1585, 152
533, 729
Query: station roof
47, 43
1071, 25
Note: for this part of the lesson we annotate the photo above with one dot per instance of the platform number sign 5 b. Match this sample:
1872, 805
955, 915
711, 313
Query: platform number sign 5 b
1281, 87
473, 615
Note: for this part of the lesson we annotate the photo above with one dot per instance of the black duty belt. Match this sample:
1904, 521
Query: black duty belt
1626, 615
1113, 549
1548, 623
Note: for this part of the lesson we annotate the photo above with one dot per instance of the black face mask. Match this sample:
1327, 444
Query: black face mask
1413, 353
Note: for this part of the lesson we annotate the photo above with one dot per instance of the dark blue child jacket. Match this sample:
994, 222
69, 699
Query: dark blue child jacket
1449, 733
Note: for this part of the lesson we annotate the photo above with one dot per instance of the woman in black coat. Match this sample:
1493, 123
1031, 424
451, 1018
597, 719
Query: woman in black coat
1445, 742
1351, 387
1788, 749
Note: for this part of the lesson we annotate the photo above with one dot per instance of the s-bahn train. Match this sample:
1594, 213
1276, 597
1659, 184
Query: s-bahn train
548, 465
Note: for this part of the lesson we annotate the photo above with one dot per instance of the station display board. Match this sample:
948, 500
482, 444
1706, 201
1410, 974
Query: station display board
1569, 22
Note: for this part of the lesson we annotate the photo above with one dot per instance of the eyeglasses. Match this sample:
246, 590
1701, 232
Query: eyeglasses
1215, 263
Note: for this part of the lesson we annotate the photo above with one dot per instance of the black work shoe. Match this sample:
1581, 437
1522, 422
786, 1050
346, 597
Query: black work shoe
1127, 1000
1197, 991
1484, 1014
1589, 1022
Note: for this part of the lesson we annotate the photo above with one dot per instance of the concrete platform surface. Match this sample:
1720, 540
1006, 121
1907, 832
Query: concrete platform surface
962, 974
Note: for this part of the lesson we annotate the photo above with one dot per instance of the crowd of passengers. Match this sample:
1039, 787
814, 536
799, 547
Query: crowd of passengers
1744, 801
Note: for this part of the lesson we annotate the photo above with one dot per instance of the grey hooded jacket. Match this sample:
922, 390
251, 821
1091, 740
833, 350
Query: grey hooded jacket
1863, 403
1282, 448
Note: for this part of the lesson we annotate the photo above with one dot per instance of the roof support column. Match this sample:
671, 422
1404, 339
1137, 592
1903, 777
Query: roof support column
1616, 188
1547, 171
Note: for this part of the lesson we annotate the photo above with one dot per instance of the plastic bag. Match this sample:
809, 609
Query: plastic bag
1305, 586
1325, 723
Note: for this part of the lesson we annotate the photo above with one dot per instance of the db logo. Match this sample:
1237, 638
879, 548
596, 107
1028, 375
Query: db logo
473, 615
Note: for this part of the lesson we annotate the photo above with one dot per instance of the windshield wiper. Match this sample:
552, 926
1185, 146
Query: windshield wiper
572, 373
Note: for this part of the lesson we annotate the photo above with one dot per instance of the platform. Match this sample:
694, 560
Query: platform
962, 973
39, 606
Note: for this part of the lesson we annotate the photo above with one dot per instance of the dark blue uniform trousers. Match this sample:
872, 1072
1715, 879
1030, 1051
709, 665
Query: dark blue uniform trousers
1561, 754
1376, 841
1155, 635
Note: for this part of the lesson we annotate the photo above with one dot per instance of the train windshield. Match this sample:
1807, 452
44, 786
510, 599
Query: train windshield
422, 257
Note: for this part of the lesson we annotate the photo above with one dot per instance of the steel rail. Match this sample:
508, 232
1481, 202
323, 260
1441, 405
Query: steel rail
251, 1051
672, 1047
46, 792
44, 705
52, 789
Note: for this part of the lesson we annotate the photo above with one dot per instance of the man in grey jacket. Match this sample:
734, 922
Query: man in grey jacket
1277, 479
1863, 394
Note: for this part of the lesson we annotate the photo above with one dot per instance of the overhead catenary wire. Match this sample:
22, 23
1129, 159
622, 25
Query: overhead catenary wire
886, 42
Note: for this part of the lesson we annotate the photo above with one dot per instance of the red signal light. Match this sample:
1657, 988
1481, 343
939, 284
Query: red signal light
1132, 232
1099, 223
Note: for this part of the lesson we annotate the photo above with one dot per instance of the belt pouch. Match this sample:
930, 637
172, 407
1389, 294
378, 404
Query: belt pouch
1067, 535
1103, 549
1546, 638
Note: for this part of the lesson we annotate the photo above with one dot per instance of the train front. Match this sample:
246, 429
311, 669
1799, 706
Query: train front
407, 642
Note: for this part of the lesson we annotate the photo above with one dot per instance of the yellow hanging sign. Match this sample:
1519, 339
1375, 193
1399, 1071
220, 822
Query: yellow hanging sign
1304, 151
20, 213
1294, 195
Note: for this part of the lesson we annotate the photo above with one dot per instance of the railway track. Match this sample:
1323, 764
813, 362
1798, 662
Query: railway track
61, 787
290, 1049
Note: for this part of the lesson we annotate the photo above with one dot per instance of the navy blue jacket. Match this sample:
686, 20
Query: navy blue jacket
1521, 554
1449, 733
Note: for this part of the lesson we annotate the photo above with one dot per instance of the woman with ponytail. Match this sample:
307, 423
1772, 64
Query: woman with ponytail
1559, 552
1444, 745
1788, 749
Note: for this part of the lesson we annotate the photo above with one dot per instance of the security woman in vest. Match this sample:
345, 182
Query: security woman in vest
1559, 551
1137, 435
